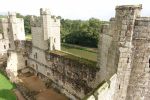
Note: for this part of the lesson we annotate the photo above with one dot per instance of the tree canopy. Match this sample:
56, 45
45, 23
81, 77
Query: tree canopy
80, 32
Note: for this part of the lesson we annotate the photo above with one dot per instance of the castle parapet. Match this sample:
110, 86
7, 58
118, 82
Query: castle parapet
44, 11
35, 21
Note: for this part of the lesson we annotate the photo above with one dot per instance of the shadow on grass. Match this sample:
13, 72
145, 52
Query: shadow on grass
7, 95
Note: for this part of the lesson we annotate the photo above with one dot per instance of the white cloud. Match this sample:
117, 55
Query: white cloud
74, 9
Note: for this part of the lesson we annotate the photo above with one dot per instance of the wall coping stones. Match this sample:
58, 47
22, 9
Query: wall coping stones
128, 7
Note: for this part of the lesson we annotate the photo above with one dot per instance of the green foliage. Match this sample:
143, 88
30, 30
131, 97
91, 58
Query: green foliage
81, 32
28, 37
6, 88
27, 24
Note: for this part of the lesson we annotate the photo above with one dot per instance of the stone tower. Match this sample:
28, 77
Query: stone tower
16, 36
124, 48
125, 21
15, 29
49, 31
45, 31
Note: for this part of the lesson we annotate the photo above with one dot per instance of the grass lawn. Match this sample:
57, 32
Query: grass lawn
6, 87
83, 52
28, 37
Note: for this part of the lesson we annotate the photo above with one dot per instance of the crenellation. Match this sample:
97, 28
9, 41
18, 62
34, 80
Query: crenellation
35, 21
122, 69
44, 11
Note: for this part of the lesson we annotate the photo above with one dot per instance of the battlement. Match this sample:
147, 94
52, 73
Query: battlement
55, 21
129, 7
35, 21
46, 27
141, 28
11, 13
44, 11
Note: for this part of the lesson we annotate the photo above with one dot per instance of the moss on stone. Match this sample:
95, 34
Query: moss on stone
70, 56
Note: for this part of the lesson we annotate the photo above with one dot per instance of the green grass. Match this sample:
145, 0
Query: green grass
83, 52
28, 37
6, 87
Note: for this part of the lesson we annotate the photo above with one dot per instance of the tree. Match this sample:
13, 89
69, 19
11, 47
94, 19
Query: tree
81, 32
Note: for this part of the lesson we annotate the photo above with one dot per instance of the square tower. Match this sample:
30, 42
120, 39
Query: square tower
46, 31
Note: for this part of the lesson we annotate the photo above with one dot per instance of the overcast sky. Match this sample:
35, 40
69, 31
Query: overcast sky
72, 9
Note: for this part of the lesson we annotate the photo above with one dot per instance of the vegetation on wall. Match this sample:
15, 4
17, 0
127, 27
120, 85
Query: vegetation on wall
70, 56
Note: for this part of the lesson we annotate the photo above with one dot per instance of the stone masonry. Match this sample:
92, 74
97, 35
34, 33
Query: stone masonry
122, 71
124, 49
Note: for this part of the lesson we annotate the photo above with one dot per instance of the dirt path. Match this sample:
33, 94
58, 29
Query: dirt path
50, 95
35, 84
18, 94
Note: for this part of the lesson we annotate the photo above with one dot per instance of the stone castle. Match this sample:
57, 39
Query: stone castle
122, 71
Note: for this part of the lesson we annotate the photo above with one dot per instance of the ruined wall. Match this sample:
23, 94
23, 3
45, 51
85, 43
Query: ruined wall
138, 88
108, 50
4, 42
105, 91
125, 19
16, 36
124, 45
48, 30
72, 77
4, 28
4, 46
16, 59
38, 38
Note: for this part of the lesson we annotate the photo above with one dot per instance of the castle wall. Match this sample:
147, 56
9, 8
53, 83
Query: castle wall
55, 33
4, 42
19, 29
105, 91
108, 51
72, 77
104, 44
4, 46
125, 19
123, 56
38, 38
138, 88
4, 28
49, 32
15, 59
